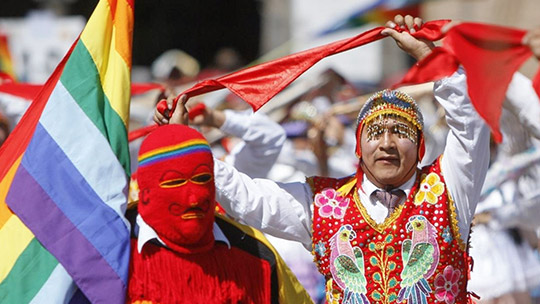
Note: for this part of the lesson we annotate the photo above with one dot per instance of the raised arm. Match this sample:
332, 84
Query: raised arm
522, 101
466, 154
281, 210
262, 140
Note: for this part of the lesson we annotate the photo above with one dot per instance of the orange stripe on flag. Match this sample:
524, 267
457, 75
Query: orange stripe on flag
5, 212
122, 13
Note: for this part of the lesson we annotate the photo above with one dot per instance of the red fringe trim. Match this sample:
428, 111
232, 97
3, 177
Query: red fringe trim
220, 275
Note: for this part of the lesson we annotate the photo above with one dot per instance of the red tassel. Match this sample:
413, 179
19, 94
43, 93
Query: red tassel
138, 133
220, 275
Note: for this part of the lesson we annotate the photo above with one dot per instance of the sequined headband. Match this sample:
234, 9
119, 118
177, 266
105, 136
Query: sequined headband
388, 103
174, 151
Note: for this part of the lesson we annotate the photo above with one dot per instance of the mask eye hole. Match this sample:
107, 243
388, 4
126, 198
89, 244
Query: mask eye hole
173, 183
202, 178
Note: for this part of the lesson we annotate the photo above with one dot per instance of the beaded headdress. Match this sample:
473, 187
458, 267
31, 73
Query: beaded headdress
389, 103
386, 104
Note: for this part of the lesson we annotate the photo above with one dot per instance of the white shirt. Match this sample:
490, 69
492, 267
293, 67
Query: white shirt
285, 209
522, 101
262, 140
147, 233
377, 211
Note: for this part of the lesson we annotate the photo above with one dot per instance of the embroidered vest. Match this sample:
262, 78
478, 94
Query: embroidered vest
415, 256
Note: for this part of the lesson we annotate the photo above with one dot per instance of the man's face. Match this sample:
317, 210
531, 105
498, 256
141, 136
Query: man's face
179, 200
389, 151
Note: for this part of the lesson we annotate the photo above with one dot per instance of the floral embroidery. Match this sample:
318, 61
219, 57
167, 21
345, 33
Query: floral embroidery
320, 248
330, 203
382, 258
430, 189
447, 235
446, 285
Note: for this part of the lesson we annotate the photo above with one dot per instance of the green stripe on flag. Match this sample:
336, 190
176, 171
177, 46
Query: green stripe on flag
30, 272
81, 78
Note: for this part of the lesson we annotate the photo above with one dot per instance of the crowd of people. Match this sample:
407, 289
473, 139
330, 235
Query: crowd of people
381, 228
402, 200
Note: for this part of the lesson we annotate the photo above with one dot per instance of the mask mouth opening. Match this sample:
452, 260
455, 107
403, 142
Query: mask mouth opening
195, 210
193, 215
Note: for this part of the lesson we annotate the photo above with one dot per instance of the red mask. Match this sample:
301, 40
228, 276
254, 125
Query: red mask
177, 191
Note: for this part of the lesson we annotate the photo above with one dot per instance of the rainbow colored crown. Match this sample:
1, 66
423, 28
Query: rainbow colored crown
165, 153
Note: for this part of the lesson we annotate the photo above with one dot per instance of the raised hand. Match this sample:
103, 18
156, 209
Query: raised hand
532, 40
400, 30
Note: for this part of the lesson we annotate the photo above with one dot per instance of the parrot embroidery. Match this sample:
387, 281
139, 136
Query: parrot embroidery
347, 267
420, 256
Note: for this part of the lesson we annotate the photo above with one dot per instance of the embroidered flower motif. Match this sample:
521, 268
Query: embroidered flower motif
447, 235
330, 203
430, 189
446, 285
320, 249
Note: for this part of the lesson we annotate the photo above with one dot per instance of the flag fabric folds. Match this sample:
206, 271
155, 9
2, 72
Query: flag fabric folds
258, 84
64, 174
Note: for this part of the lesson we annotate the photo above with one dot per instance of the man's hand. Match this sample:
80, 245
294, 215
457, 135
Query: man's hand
532, 40
179, 116
400, 30
482, 218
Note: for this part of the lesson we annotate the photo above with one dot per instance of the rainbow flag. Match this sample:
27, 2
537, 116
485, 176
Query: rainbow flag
64, 174
6, 63
377, 12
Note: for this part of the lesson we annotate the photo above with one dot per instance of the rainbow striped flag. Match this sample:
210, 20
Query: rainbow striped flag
6, 62
377, 12
64, 174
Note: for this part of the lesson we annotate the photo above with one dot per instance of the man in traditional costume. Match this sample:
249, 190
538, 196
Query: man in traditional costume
181, 251
391, 232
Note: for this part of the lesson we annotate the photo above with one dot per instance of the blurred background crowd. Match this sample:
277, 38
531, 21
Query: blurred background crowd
309, 125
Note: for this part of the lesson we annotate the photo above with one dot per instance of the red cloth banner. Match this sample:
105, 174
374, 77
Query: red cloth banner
490, 56
30, 91
258, 84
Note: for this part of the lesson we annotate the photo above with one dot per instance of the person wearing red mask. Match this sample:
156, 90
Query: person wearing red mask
181, 251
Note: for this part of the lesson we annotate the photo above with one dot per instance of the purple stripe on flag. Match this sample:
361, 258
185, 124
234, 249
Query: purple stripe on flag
64, 241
